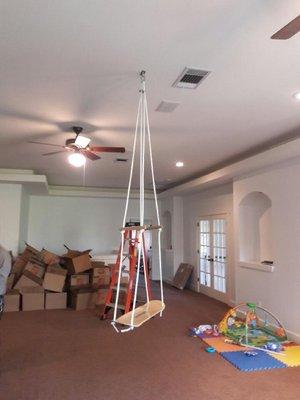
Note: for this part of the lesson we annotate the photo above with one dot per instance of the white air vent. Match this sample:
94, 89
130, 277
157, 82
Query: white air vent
190, 78
167, 106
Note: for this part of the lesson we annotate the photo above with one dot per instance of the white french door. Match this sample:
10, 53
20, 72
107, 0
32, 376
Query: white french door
212, 269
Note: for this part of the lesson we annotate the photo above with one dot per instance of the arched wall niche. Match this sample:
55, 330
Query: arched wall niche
255, 228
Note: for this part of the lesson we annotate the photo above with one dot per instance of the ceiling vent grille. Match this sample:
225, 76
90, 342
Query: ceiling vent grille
190, 78
167, 106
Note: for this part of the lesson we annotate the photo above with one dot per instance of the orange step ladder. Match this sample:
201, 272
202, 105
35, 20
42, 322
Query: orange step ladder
130, 242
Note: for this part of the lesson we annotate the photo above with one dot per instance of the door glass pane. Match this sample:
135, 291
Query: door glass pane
212, 253
219, 254
204, 252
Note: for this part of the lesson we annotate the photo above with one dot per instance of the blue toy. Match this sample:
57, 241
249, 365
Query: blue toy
249, 353
273, 346
210, 350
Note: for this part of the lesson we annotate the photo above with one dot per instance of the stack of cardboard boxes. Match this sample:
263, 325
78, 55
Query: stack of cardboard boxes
42, 280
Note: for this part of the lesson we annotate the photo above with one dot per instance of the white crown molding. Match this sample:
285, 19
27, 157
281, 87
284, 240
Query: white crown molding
35, 184
276, 155
16, 171
79, 191
38, 184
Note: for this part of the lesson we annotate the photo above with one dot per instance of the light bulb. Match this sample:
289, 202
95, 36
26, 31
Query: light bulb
297, 96
179, 164
77, 159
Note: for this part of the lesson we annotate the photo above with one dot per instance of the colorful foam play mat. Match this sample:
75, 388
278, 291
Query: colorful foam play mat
251, 339
249, 359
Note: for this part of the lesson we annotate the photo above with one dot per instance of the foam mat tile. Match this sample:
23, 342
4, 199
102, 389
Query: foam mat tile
220, 346
261, 361
291, 356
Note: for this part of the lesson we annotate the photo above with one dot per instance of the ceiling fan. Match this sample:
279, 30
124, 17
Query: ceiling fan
80, 145
288, 30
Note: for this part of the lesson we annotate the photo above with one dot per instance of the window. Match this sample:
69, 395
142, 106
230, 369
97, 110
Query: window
213, 253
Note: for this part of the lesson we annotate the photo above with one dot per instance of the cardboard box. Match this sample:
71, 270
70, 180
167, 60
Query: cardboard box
25, 282
101, 296
12, 301
96, 264
34, 272
79, 280
55, 278
33, 298
82, 299
35, 269
100, 276
49, 258
55, 301
18, 266
77, 261
29, 252
10, 282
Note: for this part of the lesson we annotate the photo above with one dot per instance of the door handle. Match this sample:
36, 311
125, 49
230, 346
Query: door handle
210, 259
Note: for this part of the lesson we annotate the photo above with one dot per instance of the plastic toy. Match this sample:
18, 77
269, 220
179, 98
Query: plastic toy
253, 326
199, 330
250, 353
204, 329
210, 350
273, 346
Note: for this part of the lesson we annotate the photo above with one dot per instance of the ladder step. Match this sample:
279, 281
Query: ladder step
120, 306
122, 288
139, 228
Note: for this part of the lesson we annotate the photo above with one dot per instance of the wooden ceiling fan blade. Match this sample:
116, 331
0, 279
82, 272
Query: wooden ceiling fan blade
288, 30
101, 149
54, 152
90, 155
46, 144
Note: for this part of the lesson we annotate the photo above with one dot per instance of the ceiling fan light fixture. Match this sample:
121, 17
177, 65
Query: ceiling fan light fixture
77, 159
82, 141
297, 96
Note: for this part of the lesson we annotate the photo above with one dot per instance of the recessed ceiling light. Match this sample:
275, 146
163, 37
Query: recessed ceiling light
179, 164
297, 96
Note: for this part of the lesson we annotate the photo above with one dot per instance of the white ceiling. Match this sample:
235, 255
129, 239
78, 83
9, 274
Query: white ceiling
71, 61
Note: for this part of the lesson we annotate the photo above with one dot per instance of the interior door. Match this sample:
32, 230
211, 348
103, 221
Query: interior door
212, 271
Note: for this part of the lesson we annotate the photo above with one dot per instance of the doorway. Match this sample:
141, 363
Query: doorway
212, 260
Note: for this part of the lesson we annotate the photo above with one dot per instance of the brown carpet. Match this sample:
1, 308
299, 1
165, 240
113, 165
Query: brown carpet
66, 354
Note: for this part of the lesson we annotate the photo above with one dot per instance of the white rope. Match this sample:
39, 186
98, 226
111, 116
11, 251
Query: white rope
119, 277
125, 213
84, 175
132, 163
145, 268
156, 204
143, 152
141, 159
142, 125
151, 163
140, 244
